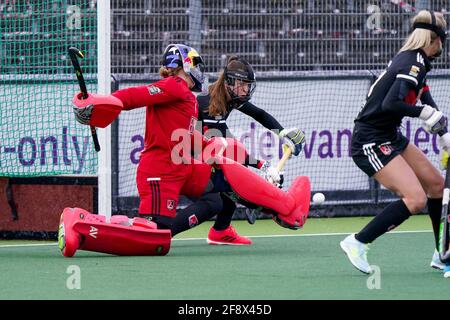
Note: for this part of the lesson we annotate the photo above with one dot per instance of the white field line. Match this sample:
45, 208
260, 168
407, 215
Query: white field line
308, 235
265, 236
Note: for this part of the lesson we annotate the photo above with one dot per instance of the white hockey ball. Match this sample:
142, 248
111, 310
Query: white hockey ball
318, 198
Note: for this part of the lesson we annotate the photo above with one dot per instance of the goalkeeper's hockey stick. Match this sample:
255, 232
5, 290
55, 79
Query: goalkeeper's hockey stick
444, 250
74, 53
286, 155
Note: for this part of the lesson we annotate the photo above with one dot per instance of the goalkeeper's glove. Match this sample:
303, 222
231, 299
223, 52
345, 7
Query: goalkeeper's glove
434, 120
271, 174
295, 139
96, 110
83, 114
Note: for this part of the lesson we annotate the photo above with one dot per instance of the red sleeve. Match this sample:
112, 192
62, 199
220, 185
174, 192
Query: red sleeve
161, 92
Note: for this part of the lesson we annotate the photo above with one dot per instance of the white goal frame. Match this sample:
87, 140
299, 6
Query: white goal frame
104, 87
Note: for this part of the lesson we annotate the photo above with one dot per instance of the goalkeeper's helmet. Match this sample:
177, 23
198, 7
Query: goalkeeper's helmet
180, 55
239, 70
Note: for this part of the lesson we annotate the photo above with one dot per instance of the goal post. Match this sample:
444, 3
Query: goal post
104, 87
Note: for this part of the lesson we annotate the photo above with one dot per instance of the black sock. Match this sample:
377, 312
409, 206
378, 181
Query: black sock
200, 211
392, 216
224, 217
434, 211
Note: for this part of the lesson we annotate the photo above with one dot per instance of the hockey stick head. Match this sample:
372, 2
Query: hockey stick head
444, 250
76, 52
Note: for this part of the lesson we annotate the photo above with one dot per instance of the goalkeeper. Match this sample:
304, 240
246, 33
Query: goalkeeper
233, 91
161, 178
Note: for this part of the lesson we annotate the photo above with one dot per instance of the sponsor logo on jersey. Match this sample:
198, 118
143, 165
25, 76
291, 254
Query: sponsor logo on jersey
193, 221
414, 71
154, 90
170, 204
386, 149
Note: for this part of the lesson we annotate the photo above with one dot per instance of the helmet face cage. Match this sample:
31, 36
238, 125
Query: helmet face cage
238, 78
180, 55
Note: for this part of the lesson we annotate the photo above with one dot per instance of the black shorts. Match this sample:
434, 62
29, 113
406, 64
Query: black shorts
371, 156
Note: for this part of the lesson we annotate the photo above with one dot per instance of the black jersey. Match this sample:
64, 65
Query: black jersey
219, 122
385, 106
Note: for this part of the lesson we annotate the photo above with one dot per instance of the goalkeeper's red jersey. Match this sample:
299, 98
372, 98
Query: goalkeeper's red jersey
170, 106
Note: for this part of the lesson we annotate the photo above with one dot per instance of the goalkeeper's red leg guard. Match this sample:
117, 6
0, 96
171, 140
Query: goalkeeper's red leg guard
220, 150
68, 239
139, 238
137, 222
290, 208
300, 190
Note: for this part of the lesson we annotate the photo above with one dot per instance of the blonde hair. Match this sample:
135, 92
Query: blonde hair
422, 38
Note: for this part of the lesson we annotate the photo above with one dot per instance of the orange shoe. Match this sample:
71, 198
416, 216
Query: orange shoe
227, 236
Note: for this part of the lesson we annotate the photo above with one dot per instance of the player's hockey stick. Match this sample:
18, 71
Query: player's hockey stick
444, 251
74, 53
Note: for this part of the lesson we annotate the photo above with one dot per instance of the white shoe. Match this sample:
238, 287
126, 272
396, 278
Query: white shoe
357, 253
436, 261
447, 271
